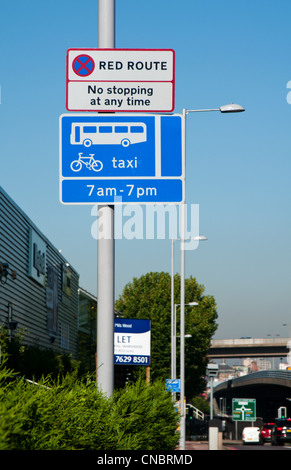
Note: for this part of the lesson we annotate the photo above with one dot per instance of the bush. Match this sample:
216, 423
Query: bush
70, 414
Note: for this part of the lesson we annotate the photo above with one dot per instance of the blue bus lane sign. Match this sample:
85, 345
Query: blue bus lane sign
121, 159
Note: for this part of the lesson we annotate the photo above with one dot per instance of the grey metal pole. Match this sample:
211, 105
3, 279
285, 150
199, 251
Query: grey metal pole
105, 243
172, 311
182, 336
211, 398
106, 24
182, 306
175, 343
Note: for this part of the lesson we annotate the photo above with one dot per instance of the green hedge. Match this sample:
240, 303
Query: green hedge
70, 414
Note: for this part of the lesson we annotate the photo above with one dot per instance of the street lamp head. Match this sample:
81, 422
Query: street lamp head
192, 304
231, 108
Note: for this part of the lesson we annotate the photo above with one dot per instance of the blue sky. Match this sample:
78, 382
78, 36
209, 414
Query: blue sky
238, 166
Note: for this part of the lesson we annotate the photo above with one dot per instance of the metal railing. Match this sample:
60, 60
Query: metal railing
196, 413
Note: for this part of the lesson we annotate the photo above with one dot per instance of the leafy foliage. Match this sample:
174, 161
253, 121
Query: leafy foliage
70, 414
32, 361
149, 297
65, 412
145, 417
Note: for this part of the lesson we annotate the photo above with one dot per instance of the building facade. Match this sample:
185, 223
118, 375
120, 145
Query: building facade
87, 329
38, 288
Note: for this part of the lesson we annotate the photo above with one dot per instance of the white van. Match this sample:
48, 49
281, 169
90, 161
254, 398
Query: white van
251, 435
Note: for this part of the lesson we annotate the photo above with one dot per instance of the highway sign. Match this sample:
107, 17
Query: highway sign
121, 159
124, 80
132, 342
244, 409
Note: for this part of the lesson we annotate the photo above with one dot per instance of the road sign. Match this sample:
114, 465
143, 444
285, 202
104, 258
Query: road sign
140, 80
83, 65
244, 409
173, 385
121, 159
132, 342
212, 370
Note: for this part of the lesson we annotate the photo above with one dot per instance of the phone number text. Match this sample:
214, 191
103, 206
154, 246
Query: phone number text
135, 360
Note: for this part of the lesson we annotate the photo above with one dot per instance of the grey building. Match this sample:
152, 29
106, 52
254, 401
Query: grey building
87, 329
38, 287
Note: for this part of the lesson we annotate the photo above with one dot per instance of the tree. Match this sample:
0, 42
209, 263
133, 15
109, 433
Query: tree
149, 297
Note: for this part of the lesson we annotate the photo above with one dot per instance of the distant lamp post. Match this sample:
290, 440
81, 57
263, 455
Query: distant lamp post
212, 371
174, 339
173, 306
228, 108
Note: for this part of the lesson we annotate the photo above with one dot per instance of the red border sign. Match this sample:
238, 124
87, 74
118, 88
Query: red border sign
120, 80
83, 65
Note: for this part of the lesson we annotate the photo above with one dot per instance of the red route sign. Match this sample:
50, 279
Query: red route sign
124, 80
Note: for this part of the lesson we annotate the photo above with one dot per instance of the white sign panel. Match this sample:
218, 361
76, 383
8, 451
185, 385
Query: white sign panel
132, 342
120, 80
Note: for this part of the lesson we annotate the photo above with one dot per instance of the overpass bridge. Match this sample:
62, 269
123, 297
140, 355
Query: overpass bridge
249, 347
270, 388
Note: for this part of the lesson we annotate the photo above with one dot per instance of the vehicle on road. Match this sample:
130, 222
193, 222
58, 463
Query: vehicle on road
251, 435
281, 431
266, 432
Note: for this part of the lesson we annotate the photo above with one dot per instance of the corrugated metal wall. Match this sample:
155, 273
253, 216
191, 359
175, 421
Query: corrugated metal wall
27, 298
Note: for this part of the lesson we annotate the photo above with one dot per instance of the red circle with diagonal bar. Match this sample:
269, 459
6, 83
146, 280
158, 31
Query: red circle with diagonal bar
83, 65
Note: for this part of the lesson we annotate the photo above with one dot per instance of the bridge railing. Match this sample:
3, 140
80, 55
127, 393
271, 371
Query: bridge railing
197, 413
249, 341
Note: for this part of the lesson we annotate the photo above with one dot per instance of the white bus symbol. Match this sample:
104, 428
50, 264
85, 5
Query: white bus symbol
124, 133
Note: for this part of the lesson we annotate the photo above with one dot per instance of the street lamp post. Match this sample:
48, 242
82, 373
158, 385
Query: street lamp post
174, 339
173, 375
229, 108
173, 307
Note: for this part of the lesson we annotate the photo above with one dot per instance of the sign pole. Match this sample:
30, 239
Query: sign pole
182, 302
105, 243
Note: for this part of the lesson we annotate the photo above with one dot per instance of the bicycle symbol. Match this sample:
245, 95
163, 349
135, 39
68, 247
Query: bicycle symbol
89, 162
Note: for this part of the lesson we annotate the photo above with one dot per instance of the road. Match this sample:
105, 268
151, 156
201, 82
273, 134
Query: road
234, 445
267, 446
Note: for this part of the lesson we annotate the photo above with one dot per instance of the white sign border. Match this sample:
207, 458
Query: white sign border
106, 109
118, 202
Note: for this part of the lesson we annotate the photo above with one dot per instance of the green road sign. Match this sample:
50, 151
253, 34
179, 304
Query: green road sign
243, 409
